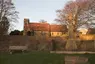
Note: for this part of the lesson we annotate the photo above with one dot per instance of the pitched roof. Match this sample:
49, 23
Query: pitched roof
57, 28
39, 26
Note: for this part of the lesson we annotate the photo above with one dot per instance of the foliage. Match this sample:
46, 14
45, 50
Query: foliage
15, 32
76, 14
21, 32
7, 10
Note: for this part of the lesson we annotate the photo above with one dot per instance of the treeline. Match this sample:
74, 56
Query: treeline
16, 32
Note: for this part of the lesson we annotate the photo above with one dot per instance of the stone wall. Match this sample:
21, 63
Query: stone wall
42, 43
31, 42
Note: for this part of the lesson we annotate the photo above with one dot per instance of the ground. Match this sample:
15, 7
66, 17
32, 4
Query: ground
39, 58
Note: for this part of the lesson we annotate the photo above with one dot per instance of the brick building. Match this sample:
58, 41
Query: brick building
43, 28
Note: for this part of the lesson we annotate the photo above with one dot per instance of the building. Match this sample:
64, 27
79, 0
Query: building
57, 30
83, 30
43, 29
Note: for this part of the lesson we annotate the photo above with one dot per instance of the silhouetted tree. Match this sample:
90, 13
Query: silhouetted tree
15, 32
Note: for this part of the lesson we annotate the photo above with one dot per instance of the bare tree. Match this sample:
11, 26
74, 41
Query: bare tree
42, 21
8, 14
76, 14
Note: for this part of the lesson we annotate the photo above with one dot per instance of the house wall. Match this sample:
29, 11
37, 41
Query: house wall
43, 28
41, 33
56, 33
34, 43
87, 37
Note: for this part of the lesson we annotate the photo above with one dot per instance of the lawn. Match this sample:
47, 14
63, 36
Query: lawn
38, 58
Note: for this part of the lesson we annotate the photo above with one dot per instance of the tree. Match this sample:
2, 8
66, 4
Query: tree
43, 21
21, 32
76, 14
15, 32
8, 14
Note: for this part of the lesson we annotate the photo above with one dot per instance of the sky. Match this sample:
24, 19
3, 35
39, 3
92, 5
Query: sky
37, 10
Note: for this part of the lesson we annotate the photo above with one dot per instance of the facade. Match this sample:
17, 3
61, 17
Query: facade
43, 29
83, 30
57, 30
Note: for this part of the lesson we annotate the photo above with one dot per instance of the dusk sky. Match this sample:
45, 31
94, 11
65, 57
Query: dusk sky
36, 10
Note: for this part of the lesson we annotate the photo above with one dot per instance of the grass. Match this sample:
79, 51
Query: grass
38, 58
